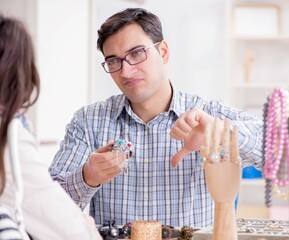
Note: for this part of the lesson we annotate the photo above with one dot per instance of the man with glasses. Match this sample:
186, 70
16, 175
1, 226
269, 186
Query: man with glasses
136, 57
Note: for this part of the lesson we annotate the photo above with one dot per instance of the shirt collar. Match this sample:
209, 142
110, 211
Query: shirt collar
123, 105
175, 106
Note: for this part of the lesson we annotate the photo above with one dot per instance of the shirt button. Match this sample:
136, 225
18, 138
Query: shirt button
79, 193
146, 196
146, 160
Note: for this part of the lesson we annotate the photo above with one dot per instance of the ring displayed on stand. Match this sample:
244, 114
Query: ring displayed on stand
220, 150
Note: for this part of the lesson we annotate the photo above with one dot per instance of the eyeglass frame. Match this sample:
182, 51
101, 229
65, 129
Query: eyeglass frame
124, 58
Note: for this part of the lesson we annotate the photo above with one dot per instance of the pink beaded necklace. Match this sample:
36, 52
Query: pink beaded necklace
276, 137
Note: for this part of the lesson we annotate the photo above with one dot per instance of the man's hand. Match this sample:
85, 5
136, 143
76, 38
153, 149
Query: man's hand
102, 166
190, 128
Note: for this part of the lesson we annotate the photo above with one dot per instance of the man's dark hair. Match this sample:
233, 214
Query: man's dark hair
149, 22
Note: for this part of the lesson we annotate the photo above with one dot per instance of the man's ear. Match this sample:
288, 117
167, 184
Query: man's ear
164, 51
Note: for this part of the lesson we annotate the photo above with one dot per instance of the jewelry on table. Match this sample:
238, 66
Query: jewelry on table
263, 227
168, 232
187, 232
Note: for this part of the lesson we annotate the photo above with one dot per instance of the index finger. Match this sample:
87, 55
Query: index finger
179, 156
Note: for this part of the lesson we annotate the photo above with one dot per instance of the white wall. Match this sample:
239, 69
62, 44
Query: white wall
62, 30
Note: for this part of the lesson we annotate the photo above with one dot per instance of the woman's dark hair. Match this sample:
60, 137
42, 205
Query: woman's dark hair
149, 22
18, 78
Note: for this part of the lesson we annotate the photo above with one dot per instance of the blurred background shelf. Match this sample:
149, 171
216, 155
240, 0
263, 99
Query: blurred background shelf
257, 50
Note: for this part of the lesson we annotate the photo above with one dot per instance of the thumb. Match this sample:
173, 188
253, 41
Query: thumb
179, 156
104, 148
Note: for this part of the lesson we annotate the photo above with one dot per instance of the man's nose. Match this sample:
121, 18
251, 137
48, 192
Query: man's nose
127, 70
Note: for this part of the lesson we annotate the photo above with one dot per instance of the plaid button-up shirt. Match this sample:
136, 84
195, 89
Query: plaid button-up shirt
152, 189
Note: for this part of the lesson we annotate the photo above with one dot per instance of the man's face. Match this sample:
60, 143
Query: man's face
141, 82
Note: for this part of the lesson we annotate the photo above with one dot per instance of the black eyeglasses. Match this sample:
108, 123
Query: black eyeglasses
134, 57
